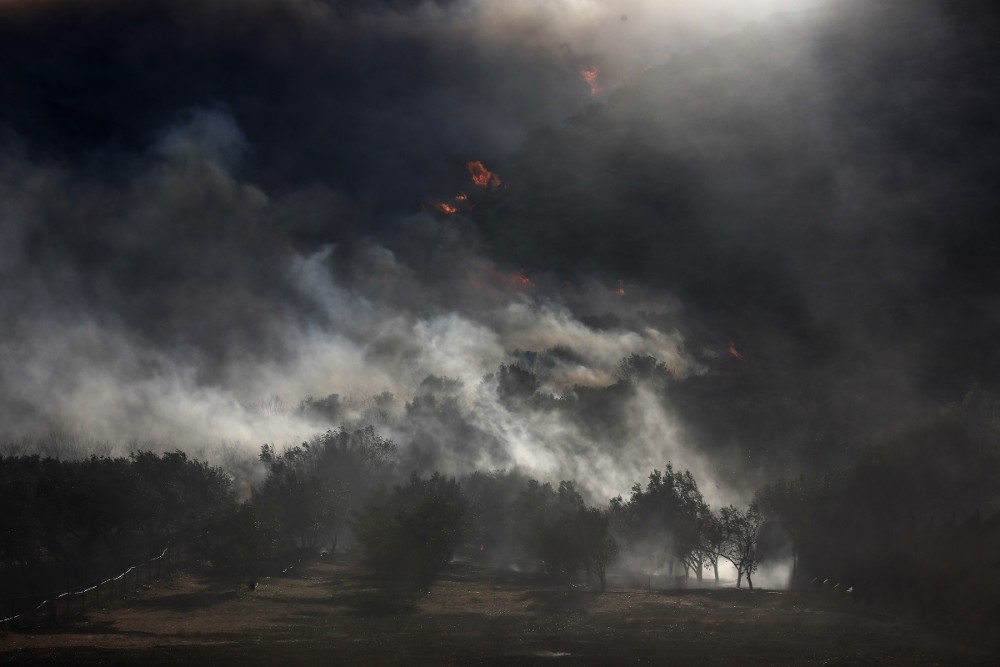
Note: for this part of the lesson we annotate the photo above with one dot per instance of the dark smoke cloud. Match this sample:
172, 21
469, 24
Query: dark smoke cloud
206, 205
818, 187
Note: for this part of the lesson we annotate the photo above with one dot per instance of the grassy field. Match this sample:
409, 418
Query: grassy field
330, 613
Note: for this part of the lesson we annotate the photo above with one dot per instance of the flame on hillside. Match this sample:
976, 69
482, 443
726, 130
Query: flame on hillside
442, 207
733, 351
459, 202
507, 282
620, 292
482, 176
590, 74
522, 281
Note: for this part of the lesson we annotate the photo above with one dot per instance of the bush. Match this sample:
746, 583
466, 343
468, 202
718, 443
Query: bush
414, 533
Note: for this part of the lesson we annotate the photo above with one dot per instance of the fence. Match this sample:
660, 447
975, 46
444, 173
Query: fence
27, 610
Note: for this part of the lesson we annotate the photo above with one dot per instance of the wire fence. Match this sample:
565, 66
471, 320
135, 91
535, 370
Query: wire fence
25, 605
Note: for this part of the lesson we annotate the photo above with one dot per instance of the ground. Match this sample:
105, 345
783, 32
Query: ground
331, 613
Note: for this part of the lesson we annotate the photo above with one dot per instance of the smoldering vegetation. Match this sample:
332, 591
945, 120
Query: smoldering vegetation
757, 248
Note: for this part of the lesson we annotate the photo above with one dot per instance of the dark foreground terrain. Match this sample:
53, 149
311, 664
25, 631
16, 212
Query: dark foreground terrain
329, 613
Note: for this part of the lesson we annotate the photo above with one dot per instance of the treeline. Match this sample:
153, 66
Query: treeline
913, 523
342, 489
345, 483
93, 514
100, 507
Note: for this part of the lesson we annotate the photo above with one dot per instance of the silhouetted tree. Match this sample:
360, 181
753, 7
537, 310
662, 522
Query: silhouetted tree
243, 538
711, 536
642, 368
666, 516
740, 541
515, 384
176, 494
598, 547
547, 528
312, 488
492, 518
413, 533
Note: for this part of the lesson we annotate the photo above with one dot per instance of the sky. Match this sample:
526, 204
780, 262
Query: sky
214, 215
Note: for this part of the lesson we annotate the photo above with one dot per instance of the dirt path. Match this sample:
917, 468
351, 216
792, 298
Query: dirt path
329, 613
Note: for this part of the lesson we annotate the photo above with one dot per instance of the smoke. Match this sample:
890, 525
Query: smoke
212, 226
194, 357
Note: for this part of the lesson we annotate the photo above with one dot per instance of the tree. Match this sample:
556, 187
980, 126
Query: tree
242, 539
598, 548
303, 505
31, 520
100, 504
492, 519
712, 538
741, 534
177, 495
637, 368
413, 533
312, 488
515, 384
547, 528
667, 517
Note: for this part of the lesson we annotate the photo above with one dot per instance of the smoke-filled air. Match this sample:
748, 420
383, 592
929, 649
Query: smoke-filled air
588, 301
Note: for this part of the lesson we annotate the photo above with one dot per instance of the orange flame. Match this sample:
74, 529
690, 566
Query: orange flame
482, 176
590, 75
491, 276
621, 289
733, 351
522, 281
443, 207
461, 196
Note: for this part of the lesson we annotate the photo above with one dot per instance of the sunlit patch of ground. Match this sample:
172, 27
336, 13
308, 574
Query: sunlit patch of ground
331, 613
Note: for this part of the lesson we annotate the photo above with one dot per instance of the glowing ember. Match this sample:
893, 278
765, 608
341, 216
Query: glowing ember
461, 196
482, 176
522, 281
590, 75
497, 279
733, 351
621, 289
443, 207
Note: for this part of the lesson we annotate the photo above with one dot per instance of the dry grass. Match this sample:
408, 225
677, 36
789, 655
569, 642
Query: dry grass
331, 613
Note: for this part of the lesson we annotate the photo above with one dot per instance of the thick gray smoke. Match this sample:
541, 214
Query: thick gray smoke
82, 368
222, 223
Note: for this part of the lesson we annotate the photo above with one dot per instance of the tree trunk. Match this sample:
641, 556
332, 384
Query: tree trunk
739, 577
715, 566
749, 582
